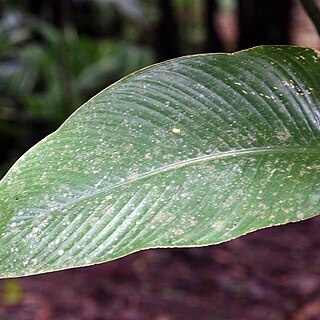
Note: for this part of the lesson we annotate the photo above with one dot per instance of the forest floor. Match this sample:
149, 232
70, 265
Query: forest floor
272, 274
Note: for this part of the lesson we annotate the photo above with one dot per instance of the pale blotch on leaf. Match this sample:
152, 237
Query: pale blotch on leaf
176, 130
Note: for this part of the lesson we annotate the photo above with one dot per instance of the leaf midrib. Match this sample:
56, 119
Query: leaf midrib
213, 156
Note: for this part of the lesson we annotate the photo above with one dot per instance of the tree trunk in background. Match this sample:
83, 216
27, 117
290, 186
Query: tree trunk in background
264, 22
62, 13
58, 12
213, 40
167, 35
35, 7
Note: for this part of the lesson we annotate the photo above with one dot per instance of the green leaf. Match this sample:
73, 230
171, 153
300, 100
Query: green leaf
189, 152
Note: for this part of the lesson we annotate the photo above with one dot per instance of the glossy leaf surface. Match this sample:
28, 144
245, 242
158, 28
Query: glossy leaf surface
189, 152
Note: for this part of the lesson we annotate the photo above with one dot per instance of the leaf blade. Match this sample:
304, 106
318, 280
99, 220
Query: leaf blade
173, 155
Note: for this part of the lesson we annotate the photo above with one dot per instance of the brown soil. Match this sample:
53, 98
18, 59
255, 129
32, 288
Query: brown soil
272, 274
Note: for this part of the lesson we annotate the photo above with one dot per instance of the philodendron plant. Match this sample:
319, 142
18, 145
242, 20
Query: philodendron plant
189, 152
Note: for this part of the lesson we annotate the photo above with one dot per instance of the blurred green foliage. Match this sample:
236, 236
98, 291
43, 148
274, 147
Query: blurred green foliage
46, 71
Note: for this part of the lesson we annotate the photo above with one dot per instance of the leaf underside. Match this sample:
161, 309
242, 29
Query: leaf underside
190, 152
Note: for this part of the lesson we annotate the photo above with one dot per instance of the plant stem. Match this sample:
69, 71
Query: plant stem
313, 12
